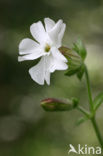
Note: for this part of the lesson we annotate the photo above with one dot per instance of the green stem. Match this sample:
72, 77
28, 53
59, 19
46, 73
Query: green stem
97, 131
92, 110
89, 89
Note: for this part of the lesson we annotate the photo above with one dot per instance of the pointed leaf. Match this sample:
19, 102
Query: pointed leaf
80, 49
98, 100
81, 120
81, 72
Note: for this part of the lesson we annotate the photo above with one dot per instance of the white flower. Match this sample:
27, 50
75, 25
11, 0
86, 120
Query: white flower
49, 39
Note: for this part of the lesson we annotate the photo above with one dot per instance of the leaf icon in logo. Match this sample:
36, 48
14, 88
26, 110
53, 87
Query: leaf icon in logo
72, 149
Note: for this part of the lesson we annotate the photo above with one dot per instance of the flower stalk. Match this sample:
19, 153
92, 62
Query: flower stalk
93, 120
89, 89
93, 113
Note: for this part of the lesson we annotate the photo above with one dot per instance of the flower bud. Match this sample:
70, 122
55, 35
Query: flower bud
52, 104
74, 60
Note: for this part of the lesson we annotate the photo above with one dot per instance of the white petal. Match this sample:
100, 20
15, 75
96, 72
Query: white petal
57, 55
55, 64
47, 77
53, 34
37, 72
61, 34
38, 32
27, 46
58, 65
33, 56
47, 67
49, 24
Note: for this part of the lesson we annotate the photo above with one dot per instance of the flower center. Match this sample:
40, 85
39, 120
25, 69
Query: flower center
47, 47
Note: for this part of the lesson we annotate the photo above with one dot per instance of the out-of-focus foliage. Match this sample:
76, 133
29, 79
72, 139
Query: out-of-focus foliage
25, 128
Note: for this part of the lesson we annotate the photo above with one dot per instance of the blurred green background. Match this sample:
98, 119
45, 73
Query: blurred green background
25, 128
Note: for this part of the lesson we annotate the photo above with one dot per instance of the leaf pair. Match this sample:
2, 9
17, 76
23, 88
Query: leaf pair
96, 103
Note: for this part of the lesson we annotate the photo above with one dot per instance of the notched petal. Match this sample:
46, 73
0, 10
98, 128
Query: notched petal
49, 24
32, 56
61, 34
38, 32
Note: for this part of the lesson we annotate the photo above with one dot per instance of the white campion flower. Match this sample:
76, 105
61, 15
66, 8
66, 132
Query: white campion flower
49, 39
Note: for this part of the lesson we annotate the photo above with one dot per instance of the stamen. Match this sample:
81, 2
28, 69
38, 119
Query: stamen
47, 48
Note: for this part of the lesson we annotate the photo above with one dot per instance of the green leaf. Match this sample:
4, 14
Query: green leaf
81, 120
80, 49
71, 72
81, 72
98, 100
